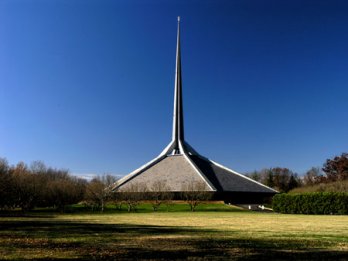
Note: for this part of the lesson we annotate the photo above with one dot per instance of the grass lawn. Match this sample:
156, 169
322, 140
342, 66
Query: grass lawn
214, 232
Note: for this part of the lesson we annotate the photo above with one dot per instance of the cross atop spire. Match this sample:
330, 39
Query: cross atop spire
178, 118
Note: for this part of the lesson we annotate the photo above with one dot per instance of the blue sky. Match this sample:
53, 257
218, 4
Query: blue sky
88, 85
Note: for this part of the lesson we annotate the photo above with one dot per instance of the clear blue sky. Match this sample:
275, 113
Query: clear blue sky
88, 85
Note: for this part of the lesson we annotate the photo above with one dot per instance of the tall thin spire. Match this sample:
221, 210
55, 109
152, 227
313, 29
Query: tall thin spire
179, 164
178, 119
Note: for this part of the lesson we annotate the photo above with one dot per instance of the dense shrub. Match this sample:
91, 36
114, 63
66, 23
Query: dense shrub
311, 203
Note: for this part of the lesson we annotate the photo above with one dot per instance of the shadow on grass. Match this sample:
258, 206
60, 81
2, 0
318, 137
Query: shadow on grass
72, 229
128, 242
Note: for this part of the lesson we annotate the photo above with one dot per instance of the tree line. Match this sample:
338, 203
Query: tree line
38, 186
284, 180
27, 187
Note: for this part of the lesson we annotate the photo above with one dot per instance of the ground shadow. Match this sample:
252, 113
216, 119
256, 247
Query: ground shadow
145, 242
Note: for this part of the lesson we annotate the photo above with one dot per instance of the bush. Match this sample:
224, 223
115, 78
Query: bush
311, 203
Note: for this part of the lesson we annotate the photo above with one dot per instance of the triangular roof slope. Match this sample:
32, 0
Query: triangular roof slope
227, 180
173, 171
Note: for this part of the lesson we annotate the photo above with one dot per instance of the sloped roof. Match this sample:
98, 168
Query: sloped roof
225, 179
177, 171
173, 171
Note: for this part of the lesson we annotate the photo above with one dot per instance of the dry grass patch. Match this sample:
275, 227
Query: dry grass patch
178, 235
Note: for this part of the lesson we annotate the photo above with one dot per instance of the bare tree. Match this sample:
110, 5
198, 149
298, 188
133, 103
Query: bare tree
98, 191
285, 179
65, 191
282, 179
6, 185
313, 176
267, 177
29, 187
255, 175
26, 187
195, 192
38, 167
133, 194
95, 194
169, 203
117, 198
160, 193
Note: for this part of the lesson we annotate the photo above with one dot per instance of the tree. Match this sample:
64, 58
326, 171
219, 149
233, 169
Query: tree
194, 192
26, 187
57, 187
95, 194
6, 185
98, 191
281, 179
267, 177
255, 175
160, 192
294, 182
337, 168
29, 187
65, 192
132, 194
313, 176
38, 167
284, 179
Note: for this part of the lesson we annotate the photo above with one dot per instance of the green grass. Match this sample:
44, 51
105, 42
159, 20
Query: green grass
214, 231
177, 206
